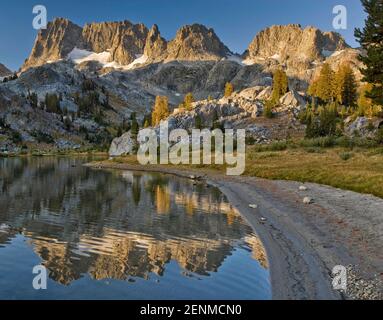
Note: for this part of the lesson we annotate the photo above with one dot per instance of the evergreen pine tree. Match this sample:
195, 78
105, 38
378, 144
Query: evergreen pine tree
146, 123
371, 40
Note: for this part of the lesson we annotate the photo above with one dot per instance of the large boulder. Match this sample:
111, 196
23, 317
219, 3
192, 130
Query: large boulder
265, 94
124, 145
362, 126
292, 99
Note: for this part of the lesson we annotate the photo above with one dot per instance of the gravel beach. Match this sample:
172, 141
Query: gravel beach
304, 240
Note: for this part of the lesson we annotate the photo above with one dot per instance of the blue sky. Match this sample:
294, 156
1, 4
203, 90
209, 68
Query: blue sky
235, 21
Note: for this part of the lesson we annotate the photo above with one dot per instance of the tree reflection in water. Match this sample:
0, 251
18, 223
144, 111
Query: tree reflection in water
117, 225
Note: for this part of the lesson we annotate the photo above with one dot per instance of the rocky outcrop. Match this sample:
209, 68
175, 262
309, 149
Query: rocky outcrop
283, 43
156, 46
363, 126
292, 99
123, 40
348, 56
4, 71
300, 52
196, 42
124, 145
54, 43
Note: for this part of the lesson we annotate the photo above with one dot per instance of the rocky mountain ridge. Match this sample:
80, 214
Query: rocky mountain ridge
4, 71
125, 42
121, 46
287, 45
292, 42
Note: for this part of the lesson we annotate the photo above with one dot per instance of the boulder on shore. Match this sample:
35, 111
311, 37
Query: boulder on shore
124, 145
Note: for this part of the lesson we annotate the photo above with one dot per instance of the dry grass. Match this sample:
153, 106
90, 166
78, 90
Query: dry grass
357, 170
360, 170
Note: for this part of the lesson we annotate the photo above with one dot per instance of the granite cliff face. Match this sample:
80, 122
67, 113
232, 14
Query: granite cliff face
300, 52
284, 43
196, 42
156, 46
54, 43
125, 42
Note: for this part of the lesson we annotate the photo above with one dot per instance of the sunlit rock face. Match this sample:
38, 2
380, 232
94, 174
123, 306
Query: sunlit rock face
54, 43
292, 42
123, 42
196, 42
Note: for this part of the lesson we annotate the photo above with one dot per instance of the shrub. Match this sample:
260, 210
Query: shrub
32, 99
42, 137
16, 137
278, 146
88, 85
268, 109
345, 156
379, 136
52, 103
322, 142
323, 123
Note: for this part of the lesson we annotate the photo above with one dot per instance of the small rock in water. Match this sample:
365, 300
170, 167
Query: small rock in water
302, 188
308, 200
253, 206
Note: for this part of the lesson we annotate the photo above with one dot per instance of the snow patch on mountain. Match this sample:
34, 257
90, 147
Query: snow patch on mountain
140, 59
80, 55
104, 58
235, 58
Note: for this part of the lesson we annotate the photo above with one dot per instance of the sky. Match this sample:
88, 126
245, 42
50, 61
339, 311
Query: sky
236, 22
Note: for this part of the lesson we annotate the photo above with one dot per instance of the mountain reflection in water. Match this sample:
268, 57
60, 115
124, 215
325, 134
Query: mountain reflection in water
120, 225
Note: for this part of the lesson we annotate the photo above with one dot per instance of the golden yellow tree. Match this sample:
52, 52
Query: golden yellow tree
229, 89
326, 85
345, 86
366, 107
280, 85
160, 110
188, 100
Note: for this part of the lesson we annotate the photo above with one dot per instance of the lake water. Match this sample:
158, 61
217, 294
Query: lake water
108, 234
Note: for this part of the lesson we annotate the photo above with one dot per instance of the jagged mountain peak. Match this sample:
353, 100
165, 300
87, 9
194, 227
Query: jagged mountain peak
123, 43
284, 42
54, 43
196, 42
156, 46
124, 40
